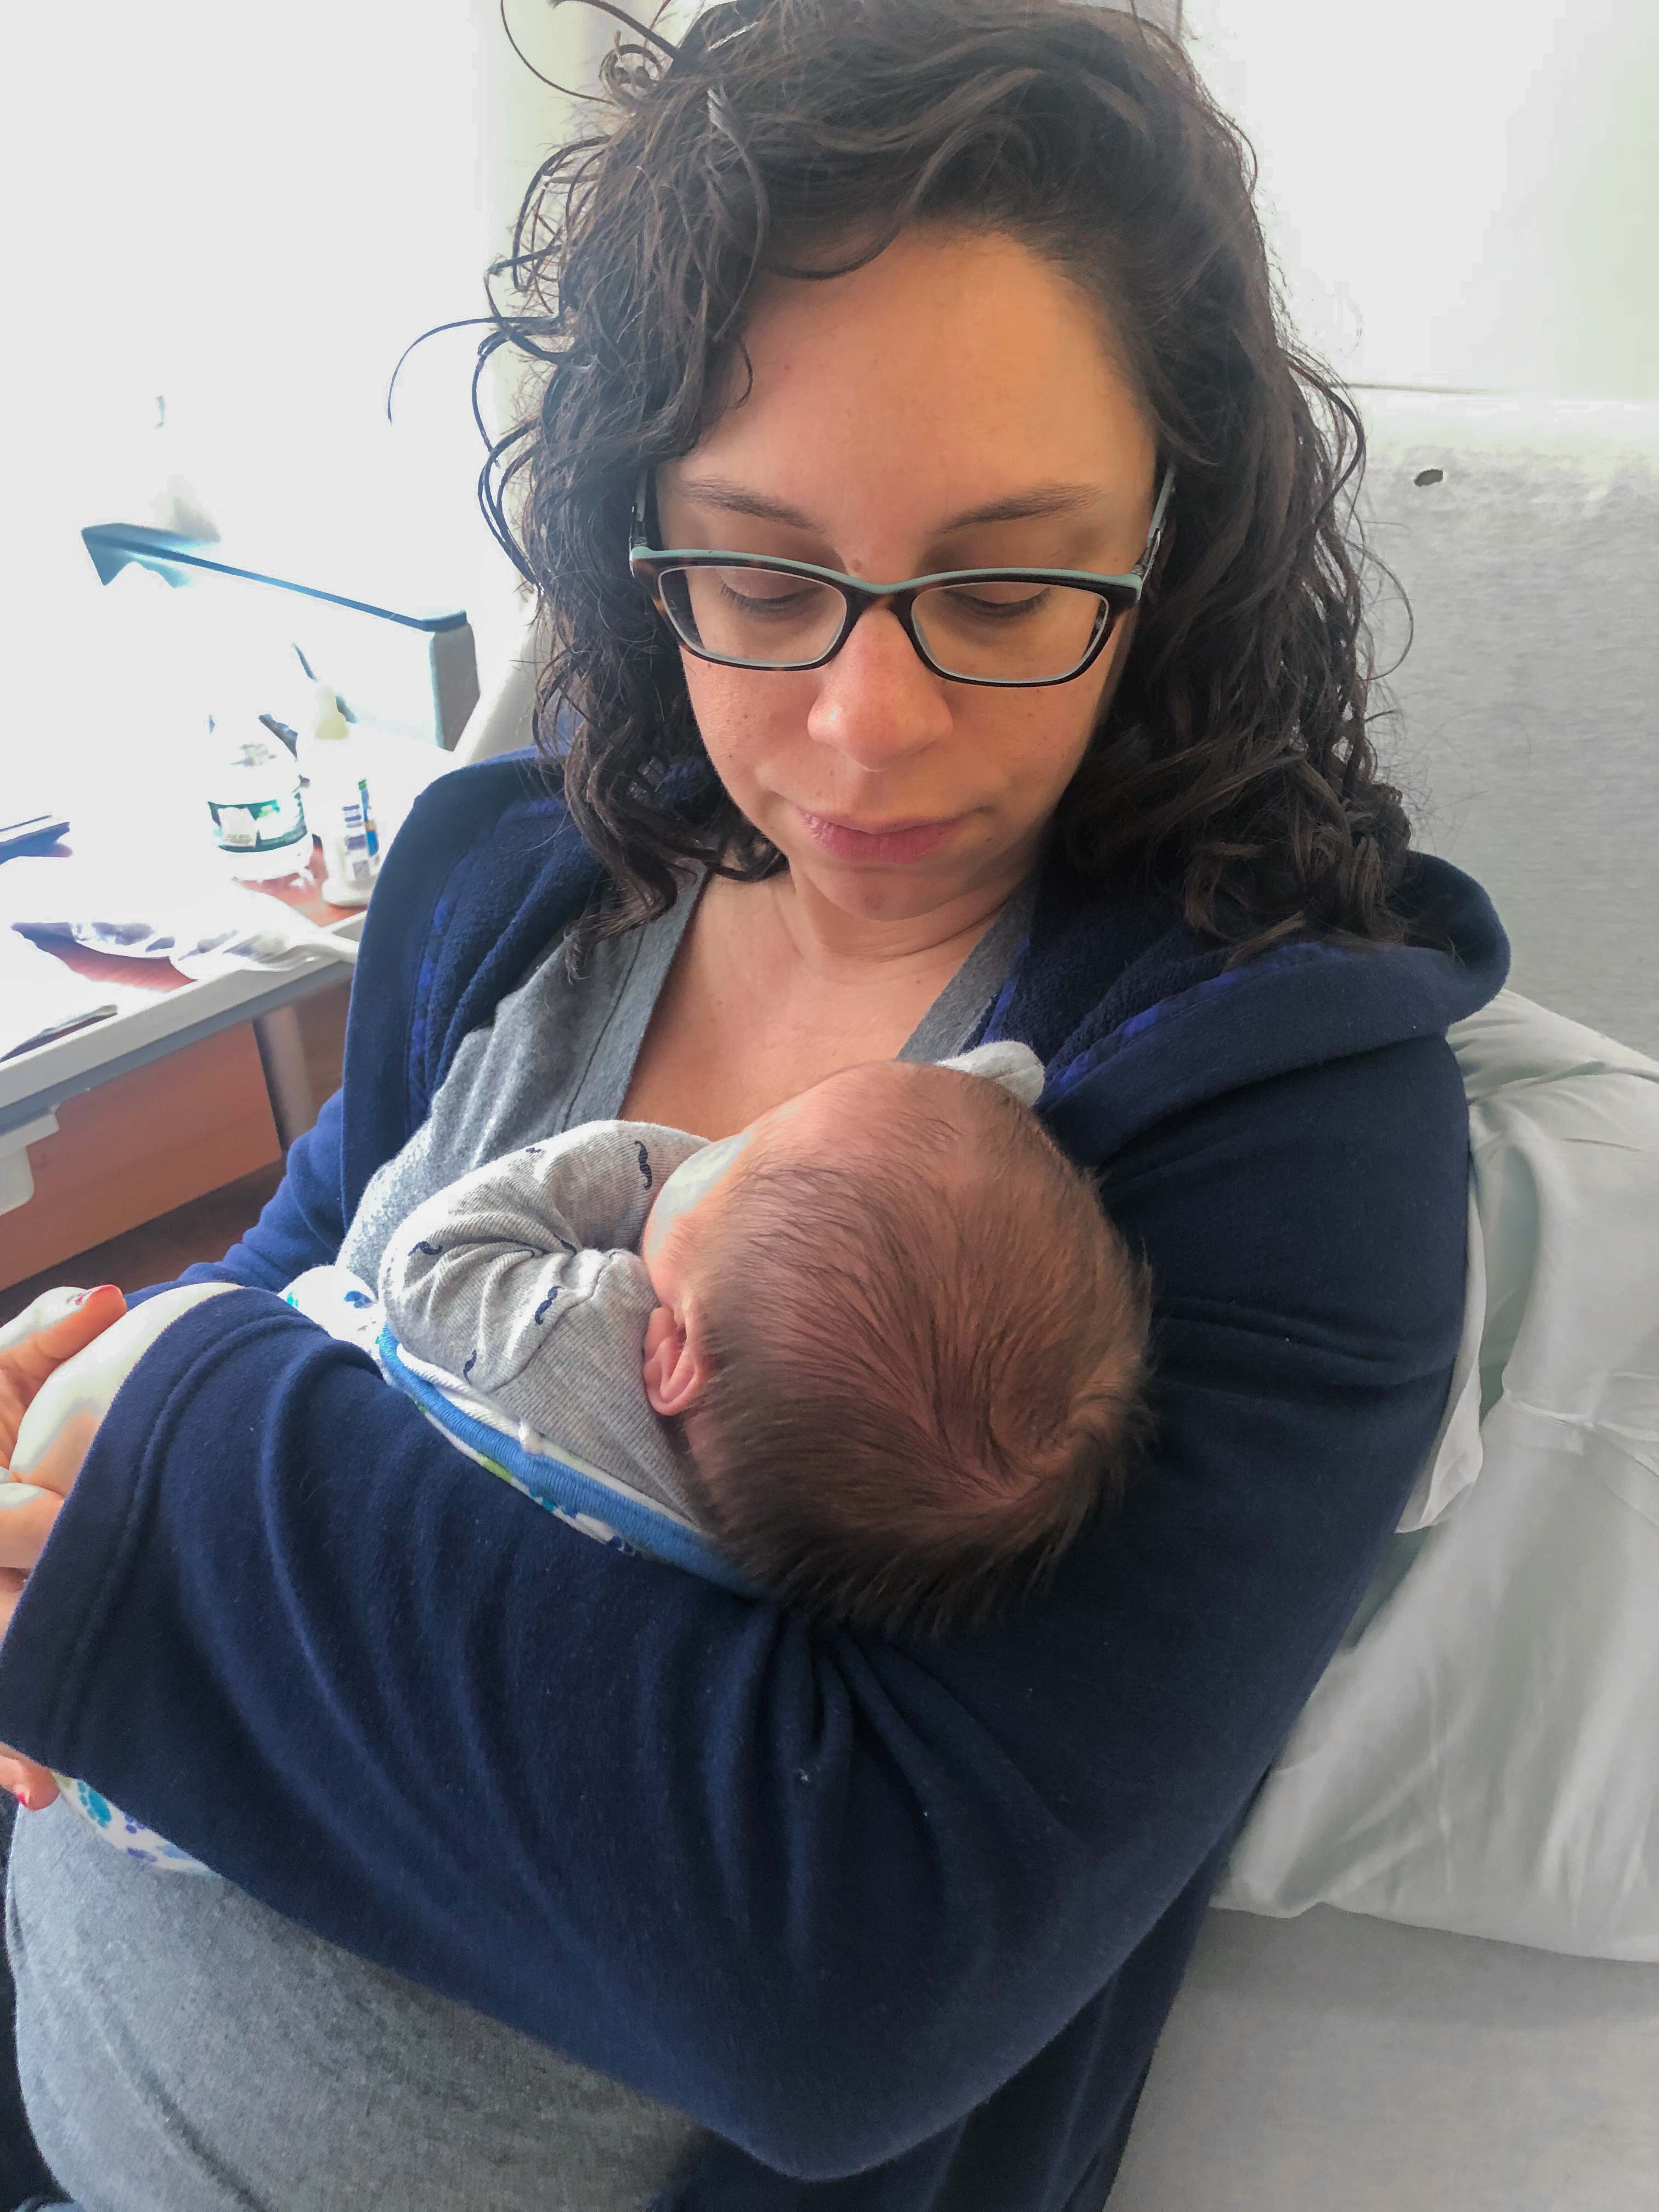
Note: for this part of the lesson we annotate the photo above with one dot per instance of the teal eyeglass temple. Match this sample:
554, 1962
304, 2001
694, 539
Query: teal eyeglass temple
1120, 594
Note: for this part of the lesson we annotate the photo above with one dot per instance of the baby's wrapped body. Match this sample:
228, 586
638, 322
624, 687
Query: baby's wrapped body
515, 1306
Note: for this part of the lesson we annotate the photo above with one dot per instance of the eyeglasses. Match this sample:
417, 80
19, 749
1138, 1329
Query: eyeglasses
1006, 626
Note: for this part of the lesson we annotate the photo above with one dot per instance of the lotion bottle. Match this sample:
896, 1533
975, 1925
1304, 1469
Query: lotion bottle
338, 807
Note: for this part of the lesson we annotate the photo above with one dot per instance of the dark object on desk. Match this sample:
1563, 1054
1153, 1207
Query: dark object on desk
399, 662
33, 833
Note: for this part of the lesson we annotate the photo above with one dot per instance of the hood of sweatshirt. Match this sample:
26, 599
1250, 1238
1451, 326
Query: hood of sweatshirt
1175, 1026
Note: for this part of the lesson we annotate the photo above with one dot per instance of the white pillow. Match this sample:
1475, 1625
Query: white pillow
1482, 1753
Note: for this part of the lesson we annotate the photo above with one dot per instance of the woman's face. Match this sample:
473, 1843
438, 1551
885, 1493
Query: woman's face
951, 372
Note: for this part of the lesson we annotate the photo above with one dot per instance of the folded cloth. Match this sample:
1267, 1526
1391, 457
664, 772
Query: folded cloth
1479, 1755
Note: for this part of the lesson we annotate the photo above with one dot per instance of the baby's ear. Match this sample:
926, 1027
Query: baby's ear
673, 1372
1015, 1066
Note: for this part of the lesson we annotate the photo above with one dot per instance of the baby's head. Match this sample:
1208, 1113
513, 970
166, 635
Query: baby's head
906, 1346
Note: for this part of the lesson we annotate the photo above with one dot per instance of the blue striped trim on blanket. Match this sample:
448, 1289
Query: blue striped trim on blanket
600, 1506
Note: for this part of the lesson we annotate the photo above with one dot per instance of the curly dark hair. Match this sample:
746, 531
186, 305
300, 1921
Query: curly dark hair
1233, 757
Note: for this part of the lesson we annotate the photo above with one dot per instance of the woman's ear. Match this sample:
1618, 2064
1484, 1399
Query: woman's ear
674, 1373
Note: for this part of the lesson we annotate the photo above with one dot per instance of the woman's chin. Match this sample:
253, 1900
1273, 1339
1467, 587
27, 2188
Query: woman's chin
861, 888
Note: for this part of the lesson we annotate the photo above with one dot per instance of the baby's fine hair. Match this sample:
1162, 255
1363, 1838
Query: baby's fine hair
928, 1359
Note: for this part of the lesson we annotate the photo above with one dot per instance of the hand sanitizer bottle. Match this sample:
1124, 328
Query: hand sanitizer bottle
338, 807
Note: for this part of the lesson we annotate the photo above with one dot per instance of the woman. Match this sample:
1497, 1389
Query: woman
754, 1916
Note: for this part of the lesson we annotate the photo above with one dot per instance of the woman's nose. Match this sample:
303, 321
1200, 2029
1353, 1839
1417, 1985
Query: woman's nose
878, 701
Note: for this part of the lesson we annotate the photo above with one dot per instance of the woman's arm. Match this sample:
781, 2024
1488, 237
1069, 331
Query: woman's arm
63, 1363
823, 1892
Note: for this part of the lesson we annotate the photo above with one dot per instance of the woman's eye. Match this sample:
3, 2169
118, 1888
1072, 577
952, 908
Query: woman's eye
999, 601
765, 602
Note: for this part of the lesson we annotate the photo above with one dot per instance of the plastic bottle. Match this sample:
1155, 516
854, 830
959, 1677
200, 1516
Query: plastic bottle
339, 805
253, 803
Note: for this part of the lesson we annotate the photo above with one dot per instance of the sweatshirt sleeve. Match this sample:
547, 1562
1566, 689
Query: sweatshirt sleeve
823, 1891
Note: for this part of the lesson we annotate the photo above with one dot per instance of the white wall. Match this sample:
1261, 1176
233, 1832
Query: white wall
252, 213
1460, 192
521, 121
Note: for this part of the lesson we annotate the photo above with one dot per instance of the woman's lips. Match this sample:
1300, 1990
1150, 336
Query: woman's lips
847, 843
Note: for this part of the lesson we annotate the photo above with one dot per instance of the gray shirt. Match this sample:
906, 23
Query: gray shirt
181, 2047
558, 1054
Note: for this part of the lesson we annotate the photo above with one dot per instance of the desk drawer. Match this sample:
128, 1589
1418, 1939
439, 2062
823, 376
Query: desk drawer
140, 1145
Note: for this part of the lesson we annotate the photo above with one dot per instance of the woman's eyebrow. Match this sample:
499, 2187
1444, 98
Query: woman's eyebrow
1044, 498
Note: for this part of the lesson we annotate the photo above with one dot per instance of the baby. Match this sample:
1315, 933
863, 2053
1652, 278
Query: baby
892, 1351
878, 1355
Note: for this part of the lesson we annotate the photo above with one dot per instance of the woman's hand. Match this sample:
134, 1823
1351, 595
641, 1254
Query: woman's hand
60, 1370
42, 1340
65, 1378
59, 1324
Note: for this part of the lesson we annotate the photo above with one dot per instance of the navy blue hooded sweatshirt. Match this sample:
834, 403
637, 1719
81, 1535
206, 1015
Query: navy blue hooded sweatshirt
899, 1923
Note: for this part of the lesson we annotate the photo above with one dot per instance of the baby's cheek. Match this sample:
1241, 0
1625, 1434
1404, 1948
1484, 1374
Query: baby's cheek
653, 1239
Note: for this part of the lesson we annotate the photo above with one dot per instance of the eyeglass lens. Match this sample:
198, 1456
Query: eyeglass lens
1007, 631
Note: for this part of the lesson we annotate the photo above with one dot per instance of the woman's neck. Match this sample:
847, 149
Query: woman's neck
826, 941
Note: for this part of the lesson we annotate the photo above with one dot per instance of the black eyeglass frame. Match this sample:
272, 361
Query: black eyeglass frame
1120, 593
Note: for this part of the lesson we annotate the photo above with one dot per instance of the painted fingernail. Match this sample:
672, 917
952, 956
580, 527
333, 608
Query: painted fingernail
20, 1791
19, 1493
